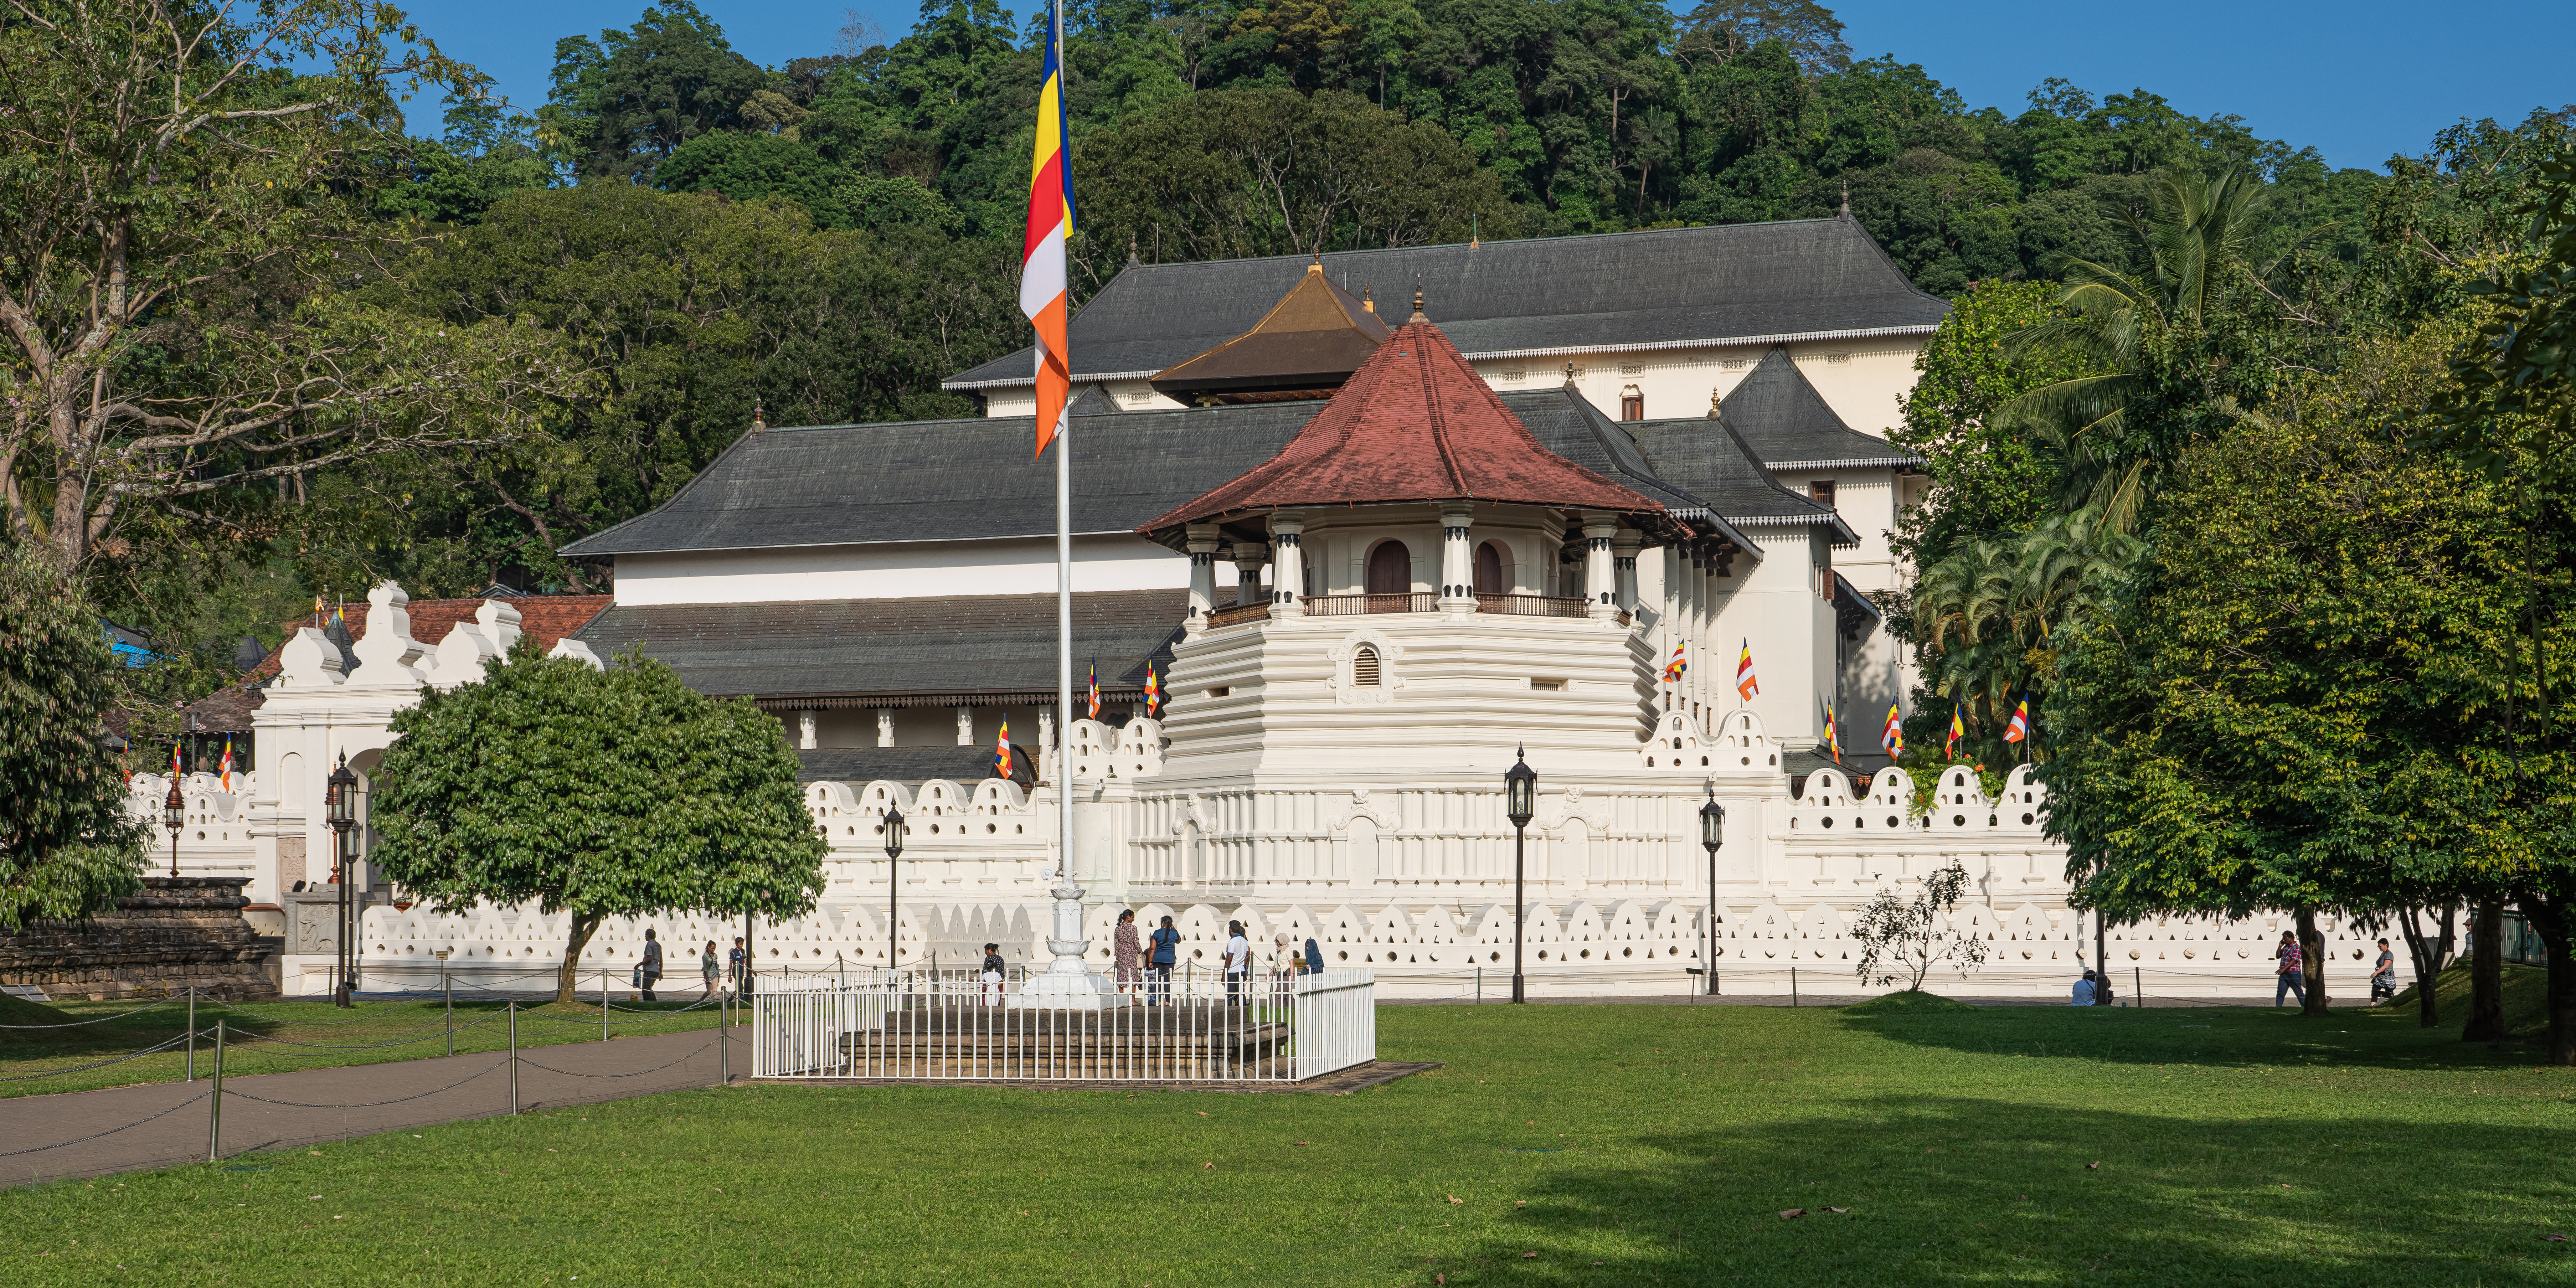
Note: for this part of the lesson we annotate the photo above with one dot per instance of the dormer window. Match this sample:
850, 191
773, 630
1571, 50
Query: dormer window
1632, 404
1821, 492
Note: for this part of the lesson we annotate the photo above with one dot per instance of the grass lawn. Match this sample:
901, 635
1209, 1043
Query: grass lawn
262, 1036
1560, 1145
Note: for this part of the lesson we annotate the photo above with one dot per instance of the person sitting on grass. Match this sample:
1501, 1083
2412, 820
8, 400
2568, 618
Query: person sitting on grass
2083, 991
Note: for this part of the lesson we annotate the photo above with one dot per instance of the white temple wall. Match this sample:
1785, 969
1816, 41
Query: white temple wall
896, 570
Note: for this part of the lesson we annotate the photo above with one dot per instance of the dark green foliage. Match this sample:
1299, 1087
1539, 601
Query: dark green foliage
1907, 1002
599, 793
624, 103
67, 847
689, 309
747, 167
1243, 173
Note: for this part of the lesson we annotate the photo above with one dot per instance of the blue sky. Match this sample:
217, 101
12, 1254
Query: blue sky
2359, 80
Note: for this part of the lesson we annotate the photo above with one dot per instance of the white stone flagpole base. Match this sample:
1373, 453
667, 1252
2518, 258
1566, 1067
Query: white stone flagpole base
1068, 983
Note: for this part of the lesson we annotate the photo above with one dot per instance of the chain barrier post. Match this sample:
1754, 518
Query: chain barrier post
1793, 988
2138, 976
603, 1004
1480, 983
192, 1033
215, 1101
514, 1058
447, 989
724, 1045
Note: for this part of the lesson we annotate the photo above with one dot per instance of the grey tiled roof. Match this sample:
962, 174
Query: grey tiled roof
941, 480
1787, 423
1538, 297
965, 645
1710, 460
1567, 423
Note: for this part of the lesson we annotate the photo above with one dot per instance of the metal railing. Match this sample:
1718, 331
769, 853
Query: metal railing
1535, 605
1272, 1027
1355, 605
1235, 613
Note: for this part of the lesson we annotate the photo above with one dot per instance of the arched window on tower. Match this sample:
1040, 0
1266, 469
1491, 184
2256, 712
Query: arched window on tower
1489, 571
1390, 572
1364, 667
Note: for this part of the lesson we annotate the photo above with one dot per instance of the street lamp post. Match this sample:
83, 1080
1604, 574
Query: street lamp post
1712, 833
340, 809
174, 814
1520, 801
894, 852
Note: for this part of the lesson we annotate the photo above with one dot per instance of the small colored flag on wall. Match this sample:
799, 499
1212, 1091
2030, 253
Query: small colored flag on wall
227, 771
1002, 753
1958, 730
1153, 694
1674, 668
1833, 732
1745, 685
2020, 726
1095, 690
1893, 737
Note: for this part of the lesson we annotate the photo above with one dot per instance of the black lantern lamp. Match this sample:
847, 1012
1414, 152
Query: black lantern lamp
174, 815
894, 852
1712, 834
1520, 801
340, 810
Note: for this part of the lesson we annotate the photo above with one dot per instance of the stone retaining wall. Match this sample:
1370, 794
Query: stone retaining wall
174, 934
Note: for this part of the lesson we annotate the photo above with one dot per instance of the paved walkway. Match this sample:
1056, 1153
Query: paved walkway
124, 1129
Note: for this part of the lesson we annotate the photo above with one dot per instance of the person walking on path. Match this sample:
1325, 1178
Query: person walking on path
2383, 976
1158, 967
1285, 961
736, 962
1129, 955
1238, 959
2290, 983
649, 971
1314, 956
993, 966
708, 969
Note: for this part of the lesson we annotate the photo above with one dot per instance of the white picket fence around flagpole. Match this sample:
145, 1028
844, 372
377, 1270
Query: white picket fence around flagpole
956, 1025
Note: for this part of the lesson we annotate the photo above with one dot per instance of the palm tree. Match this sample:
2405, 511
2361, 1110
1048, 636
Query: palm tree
2194, 233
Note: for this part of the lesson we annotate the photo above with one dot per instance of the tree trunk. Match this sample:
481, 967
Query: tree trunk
2486, 973
584, 925
2549, 920
2312, 961
2430, 953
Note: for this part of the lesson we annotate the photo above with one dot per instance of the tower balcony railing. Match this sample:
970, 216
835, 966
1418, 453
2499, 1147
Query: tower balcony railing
1569, 606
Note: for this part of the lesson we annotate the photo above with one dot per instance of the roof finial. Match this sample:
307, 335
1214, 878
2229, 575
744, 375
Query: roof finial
1417, 301
1318, 265
1475, 230
1712, 403
1368, 298
1846, 199
757, 424
1131, 249
1569, 375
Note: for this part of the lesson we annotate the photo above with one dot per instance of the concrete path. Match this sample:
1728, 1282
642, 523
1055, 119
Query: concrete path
124, 1129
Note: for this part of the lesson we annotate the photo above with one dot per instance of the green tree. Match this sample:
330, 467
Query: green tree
187, 198
747, 167
1240, 173
598, 793
2299, 706
1723, 30
622, 104
67, 846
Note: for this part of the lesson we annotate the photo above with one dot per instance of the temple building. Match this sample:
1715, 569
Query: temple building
1376, 525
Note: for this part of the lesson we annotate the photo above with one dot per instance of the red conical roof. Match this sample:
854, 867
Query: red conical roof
1414, 423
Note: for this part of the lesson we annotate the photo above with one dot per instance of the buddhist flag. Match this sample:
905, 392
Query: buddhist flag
1893, 737
227, 771
1958, 730
1833, 732
174, 762
1153, 692
1042, 274
2020, 726
1674, 668
1745, 685
1095, 689
1002, 753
